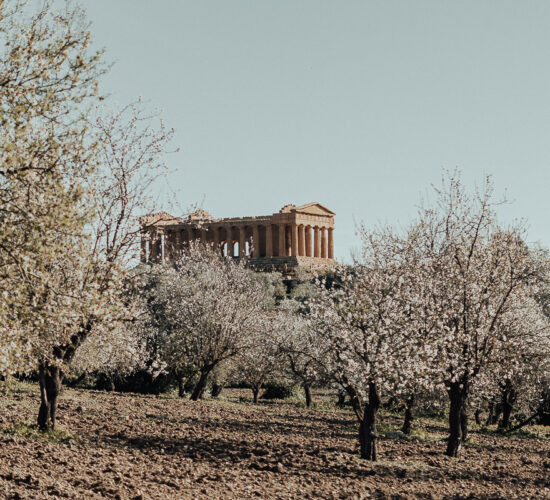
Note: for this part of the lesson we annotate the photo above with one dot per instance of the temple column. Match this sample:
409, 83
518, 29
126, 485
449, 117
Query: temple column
255, 242
282, 242
242, 241
324, 243
143, 253
168, 246
155, 246
301, 240
177, 244
330, 243
162, 249
203, 236
215, 238
294, 239
229, 240
316, 242
268, 241
307, 232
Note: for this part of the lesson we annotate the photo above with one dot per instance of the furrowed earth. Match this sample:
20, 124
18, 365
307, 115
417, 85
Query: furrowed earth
129, 446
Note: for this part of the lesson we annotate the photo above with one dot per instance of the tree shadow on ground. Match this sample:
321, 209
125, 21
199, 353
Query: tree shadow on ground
267, 426
295, 458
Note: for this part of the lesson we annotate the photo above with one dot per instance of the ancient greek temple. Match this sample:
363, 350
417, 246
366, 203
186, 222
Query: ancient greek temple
295, 236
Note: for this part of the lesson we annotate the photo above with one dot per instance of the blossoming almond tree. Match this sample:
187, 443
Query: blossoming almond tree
47, 83
474, 273
368, 323
517, 380
256, 364
206, 309
301, 348
71, 192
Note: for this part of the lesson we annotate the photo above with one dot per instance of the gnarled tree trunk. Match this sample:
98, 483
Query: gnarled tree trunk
457, 417
216, 389
491, 413
477, 416
367, 427
508, 400
50, 377
255, 392
181, 386
307, 391
406, 429
198, 391
464, 423
50, 385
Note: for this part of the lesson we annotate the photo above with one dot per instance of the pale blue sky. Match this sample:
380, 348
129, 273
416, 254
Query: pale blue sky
355, 104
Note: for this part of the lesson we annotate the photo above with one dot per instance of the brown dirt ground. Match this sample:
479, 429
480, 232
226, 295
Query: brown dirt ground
111, 445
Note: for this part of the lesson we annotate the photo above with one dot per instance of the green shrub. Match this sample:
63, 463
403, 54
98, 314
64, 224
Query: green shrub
277, 390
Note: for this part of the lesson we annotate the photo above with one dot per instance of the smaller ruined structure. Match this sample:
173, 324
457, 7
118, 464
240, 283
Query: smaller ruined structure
295, 236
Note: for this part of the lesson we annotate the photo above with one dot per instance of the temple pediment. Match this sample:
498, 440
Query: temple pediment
200, 215
159, 219
315, 208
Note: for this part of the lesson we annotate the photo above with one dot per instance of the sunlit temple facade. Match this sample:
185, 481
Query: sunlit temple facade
295, 236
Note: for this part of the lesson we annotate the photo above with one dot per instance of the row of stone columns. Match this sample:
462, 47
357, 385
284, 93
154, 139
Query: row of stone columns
293, 240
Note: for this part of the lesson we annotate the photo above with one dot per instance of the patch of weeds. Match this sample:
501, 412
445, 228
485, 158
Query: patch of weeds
169, 395
423, 435
385, 412
16, 402
27, 431
326, 406
382, 428
13, 386
354, 427
531, 432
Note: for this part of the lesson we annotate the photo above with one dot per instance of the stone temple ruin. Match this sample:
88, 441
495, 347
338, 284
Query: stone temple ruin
295, 236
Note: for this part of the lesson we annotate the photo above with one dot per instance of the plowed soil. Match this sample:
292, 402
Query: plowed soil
112, 445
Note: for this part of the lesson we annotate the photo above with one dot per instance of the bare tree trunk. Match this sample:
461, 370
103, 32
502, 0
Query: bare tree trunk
489, 420
464, 423
198, 391
50, 385
367, 427
496, 414
508, 400
181, 386
307, 391
525, 422
216, 389
255, 392
457, 396
406, 429
477, 416
188, 386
